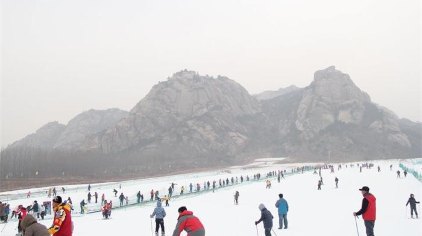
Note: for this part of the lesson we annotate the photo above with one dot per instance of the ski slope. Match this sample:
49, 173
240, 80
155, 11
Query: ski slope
325, 212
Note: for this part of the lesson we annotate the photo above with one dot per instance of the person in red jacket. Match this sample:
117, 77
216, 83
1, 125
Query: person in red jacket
62, 224
106, 209
368, 210
188, 222
21, 213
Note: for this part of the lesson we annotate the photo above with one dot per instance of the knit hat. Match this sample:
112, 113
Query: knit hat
57, 199
261, 206
182, 209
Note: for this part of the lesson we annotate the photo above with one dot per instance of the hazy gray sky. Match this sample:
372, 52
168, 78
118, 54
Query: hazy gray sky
60, 58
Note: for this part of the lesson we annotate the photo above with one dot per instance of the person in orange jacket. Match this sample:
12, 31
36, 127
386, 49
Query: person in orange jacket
62, 224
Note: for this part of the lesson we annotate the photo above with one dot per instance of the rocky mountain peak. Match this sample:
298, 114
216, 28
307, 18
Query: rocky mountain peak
185, 74
331, 97
188, 94
332, 84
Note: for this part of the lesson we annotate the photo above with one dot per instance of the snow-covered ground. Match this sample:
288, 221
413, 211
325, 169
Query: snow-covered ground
311, 211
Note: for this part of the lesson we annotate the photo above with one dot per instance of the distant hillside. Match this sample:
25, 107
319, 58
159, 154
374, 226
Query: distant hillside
266, 95
71, 136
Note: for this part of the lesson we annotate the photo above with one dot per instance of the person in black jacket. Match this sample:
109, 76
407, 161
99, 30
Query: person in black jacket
413, 203
36, 209
267, 218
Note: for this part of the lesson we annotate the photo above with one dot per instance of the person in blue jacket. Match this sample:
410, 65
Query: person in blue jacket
283, 208
159, 214
267, 218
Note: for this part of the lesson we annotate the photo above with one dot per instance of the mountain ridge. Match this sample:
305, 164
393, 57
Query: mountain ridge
192, 121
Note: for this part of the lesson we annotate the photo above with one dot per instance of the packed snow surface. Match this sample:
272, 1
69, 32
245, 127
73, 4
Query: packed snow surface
327, 212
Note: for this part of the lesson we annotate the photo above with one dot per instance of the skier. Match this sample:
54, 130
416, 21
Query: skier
82, 204
172, 186
283, 208
42, 211
6, 212
96, 197
36, 209
336, 180
115, 192
398, 174
106, 209
89, 187
121, 198
319, 184
21, 213
170, 191
89, 197
405, 173
412, 201
236, 198
138, 197
159, 214
62, 223
188, 222
2, 213
267, 218
69, 201
368, 210
166, 199
30, 226
268, 184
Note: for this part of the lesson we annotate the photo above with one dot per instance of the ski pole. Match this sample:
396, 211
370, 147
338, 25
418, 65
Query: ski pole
405, 212
4, 226
274, 232
152, 233
256, 230
357, 230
